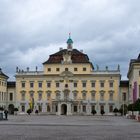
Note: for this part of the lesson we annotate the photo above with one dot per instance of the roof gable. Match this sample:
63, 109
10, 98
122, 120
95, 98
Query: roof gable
76, 57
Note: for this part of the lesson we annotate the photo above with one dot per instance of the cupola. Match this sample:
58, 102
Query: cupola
69, 43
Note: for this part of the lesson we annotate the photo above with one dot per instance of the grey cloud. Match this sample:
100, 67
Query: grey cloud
107, 31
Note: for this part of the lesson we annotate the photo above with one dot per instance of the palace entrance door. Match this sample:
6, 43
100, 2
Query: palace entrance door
63, 109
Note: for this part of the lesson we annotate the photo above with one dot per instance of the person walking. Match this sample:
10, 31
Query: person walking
36, 112
6, 114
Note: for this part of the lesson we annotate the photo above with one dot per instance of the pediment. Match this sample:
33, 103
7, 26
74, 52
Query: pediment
75, 91
66, 73
92, 91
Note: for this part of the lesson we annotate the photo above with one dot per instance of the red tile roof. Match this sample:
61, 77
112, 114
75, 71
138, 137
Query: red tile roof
76, 57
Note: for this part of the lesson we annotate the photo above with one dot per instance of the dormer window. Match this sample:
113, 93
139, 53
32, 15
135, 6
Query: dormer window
84, 69
84, 84
49, 69
66, 85
23, 84
57, 69
75, 69
111, 84
40, 84
57, 84
66, 69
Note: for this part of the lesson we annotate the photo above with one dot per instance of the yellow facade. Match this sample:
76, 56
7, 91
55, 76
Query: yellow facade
3, 89
68, 84
134, 79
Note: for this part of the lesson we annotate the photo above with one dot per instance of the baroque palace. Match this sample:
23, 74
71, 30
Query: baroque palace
69, 84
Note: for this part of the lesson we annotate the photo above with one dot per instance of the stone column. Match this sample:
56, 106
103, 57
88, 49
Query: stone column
106, 106
59, 109
70, 93
26, 106
72, 108
88, 108
69, 109
43, 107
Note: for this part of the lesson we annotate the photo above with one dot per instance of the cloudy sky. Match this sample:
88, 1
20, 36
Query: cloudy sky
30, 30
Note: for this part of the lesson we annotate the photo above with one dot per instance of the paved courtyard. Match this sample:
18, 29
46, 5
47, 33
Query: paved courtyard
69, 128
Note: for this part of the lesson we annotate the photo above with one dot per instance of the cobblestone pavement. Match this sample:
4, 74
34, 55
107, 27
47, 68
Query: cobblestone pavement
69, 128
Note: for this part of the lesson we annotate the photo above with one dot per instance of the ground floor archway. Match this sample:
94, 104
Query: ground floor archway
11, 109
63, 109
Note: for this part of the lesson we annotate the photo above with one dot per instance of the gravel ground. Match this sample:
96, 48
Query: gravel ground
41, 127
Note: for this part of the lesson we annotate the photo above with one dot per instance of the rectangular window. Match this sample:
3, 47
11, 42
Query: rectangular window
93, 84
39, 96
110, 108
84, 108
75, 69
84, 69
5, 83
66, 69
40, 84
75, 96
57, 84
56, 108
48, 95
75, 108
57, 95
102, 84
93, 107
48, 85
102, 96
102, 107
49, 69
0, 95
111, 96
66, 85
48, 108
23, 108
31, 85
93, 96
4, 96
111, 84
23, 85
57, 69
84, 96
139, 91
84, 84
11, 97
75, 84
22, 96
124, 96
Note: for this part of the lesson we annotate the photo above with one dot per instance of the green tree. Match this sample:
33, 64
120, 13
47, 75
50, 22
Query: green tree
137, 105
123, 109
93, 112
102, 112
115, 111
15, 109
1, 108
29, 111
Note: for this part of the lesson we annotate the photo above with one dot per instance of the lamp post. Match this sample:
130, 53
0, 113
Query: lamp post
123, 107
88, 106
79, 105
